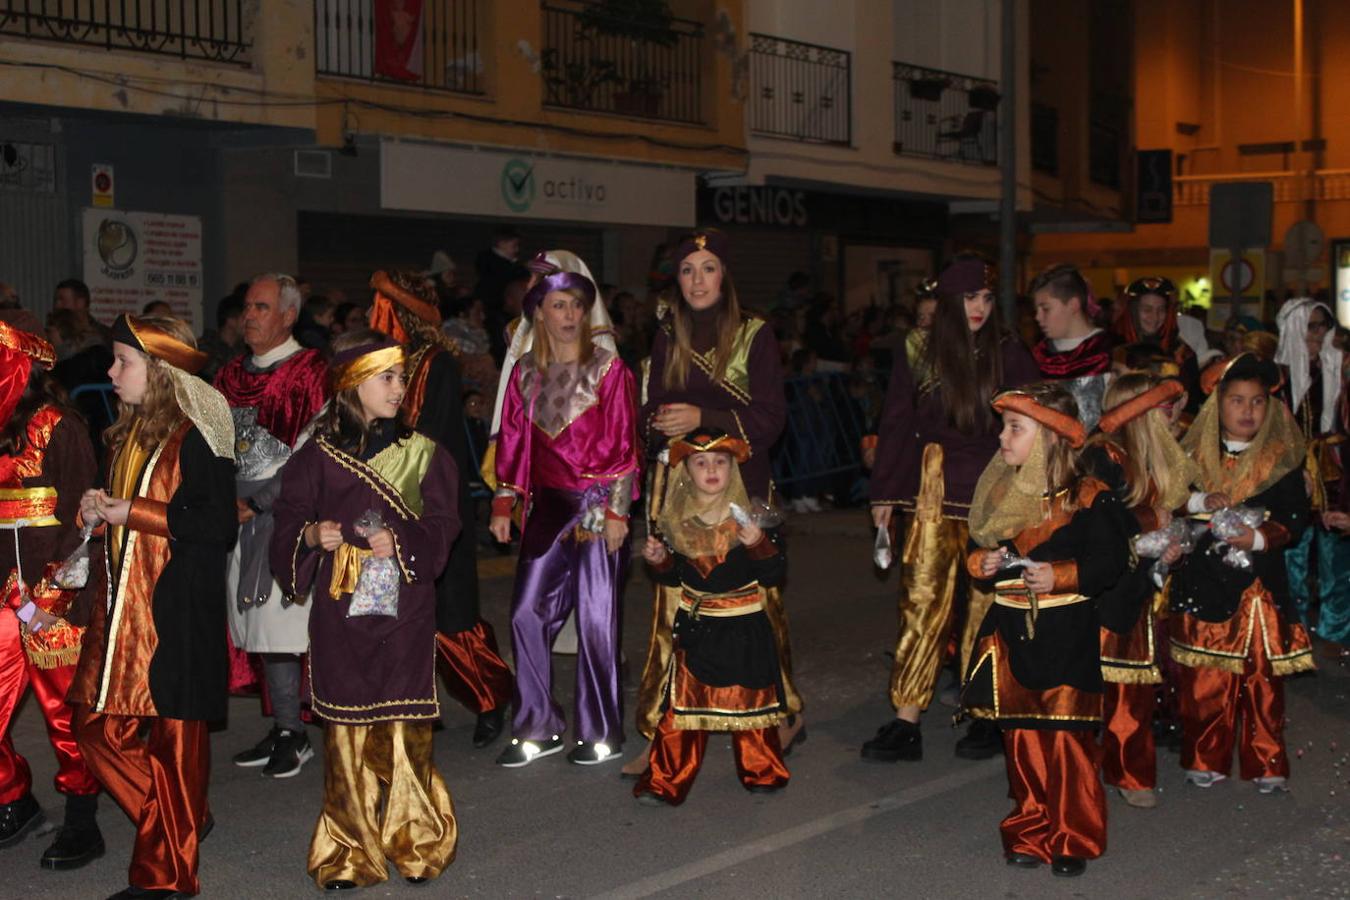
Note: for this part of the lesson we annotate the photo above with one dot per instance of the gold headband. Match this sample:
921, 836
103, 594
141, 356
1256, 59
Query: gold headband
162, 345
367, 365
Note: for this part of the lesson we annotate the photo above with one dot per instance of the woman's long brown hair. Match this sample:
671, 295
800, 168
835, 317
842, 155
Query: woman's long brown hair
680, 351
968, 367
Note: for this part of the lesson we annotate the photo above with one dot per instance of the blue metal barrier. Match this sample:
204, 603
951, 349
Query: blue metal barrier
102, 392
827, 415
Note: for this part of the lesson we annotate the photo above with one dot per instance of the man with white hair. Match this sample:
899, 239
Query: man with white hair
273, 391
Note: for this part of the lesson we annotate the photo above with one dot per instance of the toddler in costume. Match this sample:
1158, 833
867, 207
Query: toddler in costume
725, 674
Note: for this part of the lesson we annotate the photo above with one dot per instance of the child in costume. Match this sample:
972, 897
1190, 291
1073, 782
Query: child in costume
567, 454
1234, 629
1136, 456
373, 676
1050, 542
46, 463
725, 674
153, 667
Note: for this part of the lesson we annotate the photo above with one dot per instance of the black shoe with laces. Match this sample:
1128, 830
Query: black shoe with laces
260, 753
896, 740
74, 847
982, 741
19, 818
291, 752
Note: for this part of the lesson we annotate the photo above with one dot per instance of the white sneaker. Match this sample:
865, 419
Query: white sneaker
1272, 784
1204, 779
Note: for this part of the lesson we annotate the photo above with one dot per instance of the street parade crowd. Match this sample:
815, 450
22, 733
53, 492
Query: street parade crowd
1102, 532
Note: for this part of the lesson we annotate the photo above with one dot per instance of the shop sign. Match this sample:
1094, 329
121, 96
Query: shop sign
427, 177
131, 258
776, 207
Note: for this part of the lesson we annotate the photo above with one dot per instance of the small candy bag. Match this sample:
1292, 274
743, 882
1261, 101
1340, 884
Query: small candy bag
377, 586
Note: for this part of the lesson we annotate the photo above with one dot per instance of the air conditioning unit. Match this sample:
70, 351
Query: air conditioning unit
313, 164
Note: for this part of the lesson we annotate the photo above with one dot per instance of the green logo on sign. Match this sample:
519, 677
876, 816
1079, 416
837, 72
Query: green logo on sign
518, 185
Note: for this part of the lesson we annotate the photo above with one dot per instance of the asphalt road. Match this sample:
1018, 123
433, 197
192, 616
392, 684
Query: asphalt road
843, 828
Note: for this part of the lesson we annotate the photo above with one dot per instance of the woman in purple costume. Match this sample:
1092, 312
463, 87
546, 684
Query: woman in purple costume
567, 459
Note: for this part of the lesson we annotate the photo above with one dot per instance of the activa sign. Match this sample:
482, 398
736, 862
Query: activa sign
492, 183
776, 206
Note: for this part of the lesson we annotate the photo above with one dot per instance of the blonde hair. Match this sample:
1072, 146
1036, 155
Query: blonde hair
680, 351
1061, 459
1146, 462
543, 352
158, 412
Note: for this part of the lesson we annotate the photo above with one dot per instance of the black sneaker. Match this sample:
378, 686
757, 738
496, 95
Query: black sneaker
896, 740
19, 818
260, 753
73, 848
982, 741
522, 753
291, 752
592, 754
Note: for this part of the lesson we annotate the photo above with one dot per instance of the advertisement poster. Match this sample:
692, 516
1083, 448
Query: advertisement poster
132, 258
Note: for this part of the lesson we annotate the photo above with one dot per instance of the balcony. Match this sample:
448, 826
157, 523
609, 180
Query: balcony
1322, 185
642, 66
945, 115
800, 91
366, 40
210, 30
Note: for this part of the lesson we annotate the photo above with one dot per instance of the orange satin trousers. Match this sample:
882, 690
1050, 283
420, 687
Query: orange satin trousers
1129, 759
475, 674
676, 756
1060, 806
160, 782
1220, 709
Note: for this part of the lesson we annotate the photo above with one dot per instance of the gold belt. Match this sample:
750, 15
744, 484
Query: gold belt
1014, 594
740, 602
34, 506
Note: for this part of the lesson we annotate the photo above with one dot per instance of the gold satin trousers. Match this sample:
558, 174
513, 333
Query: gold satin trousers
382, 799
932, 560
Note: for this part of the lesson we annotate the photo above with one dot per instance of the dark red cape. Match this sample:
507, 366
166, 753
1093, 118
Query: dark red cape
287, 397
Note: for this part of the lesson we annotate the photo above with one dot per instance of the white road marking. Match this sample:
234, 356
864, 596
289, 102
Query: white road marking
664, 881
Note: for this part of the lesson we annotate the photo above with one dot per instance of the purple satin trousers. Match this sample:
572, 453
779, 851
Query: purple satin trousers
564, 568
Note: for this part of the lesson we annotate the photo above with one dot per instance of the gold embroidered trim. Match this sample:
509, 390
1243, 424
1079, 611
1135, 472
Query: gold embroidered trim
1194, 658
370, 477
1128, 675
701, 722
129, 537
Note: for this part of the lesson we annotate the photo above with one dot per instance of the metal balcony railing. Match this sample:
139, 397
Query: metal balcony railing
800, 91
945, 115
593, 62
364, 39
211, 30
1322, 185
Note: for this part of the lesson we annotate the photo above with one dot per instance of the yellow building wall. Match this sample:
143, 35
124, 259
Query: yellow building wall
512, 109
48, 73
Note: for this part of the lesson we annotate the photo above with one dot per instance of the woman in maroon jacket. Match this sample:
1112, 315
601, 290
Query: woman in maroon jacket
937, 433
712, 366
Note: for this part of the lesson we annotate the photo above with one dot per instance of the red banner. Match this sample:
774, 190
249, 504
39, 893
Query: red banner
398, 39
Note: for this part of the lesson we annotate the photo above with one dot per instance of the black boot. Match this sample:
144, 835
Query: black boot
19, 818
78, 842
489, 727
896, 740
982, 741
